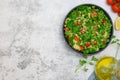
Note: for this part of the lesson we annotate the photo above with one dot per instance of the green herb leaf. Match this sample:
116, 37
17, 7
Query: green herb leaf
91, 63
82, 62
94, 58
113, 42
117, 40
113, 36
85, 69
76, 29
118, 44
85, 56
67, 33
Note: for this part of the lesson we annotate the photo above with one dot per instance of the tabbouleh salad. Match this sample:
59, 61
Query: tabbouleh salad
87, 29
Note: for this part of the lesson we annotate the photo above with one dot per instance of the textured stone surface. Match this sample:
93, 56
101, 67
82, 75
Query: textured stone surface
32, 46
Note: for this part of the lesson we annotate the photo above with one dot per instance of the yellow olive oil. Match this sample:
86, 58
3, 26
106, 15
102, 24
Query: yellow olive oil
105, 68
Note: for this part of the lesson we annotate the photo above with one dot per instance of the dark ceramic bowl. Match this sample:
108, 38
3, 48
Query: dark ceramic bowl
111, 33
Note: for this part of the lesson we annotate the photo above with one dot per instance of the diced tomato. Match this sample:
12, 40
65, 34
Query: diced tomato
81, 47
67, 29
78, 22
104, 22
87, 44
95, 43
95, 13
103, 42
76, 38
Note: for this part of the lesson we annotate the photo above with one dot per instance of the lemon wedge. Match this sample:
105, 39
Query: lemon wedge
117, 23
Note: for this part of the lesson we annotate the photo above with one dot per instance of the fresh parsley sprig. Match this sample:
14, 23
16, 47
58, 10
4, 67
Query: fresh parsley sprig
84, 62
115, 41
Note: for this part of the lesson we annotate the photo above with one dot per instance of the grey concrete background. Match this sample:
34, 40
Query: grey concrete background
32, 46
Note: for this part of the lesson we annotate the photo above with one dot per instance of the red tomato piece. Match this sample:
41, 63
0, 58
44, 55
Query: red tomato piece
95, 43
76, 38
103, 42
67, 29
94, 13
87, 44
104, 22
81, 47
116, 7
78, 22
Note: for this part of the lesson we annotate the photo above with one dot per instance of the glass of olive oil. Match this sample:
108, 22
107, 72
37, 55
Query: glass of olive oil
108, 68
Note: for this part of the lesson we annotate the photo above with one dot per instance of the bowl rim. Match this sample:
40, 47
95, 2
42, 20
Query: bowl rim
111, 33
